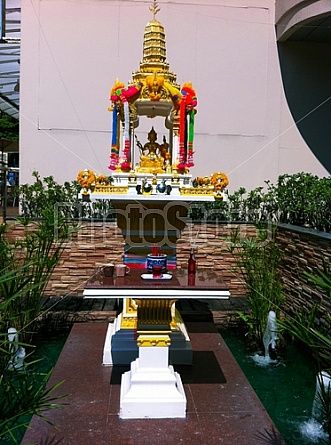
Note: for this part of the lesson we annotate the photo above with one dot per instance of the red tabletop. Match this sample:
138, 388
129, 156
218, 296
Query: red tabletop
205, 283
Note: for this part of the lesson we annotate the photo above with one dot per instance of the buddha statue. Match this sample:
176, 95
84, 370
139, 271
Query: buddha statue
151, 160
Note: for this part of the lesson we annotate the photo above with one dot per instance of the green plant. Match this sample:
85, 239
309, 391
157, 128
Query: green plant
237, 206
34, 256
47, 193
257, 260
300, 199
271, 437
302, 326
22, 394
324, 400
9, 127
33, 259
322, 278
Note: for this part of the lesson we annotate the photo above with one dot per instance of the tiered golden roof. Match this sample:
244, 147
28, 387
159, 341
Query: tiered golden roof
160, 84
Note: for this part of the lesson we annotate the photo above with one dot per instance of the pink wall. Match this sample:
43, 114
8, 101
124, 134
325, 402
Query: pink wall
72, 51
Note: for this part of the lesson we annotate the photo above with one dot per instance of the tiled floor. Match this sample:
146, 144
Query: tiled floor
222, 408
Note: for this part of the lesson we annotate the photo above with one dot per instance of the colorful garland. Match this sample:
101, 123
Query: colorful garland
121, 95
189, 161
187, 106
184, 100
182, 131
174, 93
125, 164
114, 152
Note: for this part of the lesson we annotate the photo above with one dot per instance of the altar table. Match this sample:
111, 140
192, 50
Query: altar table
152, 389
205, 283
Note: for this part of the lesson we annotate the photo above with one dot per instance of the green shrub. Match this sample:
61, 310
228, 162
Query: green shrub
300, 199
46, 193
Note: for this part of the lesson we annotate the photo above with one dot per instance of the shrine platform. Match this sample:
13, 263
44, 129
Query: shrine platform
222, 407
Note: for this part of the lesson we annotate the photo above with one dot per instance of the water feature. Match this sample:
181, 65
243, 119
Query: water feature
270, 338
17, 352
313, 432
286, 388
313, 427
323, 381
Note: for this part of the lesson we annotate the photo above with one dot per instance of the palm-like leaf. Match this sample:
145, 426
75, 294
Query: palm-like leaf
270, 437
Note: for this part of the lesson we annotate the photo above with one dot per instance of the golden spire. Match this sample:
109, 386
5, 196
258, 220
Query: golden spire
154, 8
154, 51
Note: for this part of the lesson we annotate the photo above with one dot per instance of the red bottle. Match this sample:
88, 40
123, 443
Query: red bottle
191, 279
191, 262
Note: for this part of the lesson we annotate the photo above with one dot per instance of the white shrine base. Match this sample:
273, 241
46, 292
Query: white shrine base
152, 389
107, 359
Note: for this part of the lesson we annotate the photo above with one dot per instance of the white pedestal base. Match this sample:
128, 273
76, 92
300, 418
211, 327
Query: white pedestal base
152, 389
113, 327
107, 358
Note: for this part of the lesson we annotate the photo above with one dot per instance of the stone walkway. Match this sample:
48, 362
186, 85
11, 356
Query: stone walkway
222, 407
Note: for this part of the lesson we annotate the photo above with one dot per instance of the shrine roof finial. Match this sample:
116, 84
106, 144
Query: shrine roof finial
154, 8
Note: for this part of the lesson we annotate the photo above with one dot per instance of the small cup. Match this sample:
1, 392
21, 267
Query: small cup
121, 270
156, 259
108, 270
157, 271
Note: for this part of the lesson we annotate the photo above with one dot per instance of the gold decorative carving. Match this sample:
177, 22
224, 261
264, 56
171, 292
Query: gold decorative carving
192, 191
153, 340
154, 312
129, 323
130, 306
176, 319
110, 189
